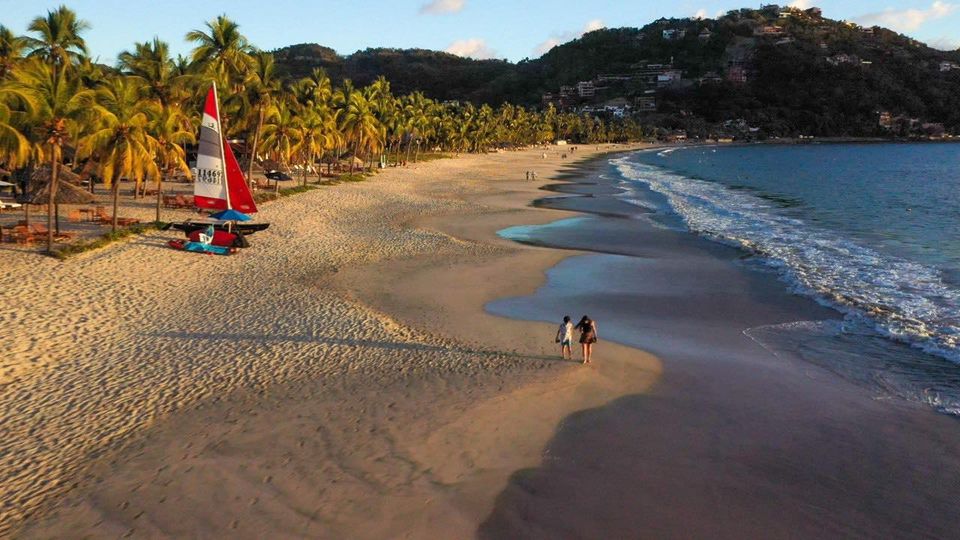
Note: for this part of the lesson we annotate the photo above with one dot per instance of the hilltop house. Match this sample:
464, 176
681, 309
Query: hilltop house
769, 31
843, 58
946, 66
586, 89
737, 74
674, 33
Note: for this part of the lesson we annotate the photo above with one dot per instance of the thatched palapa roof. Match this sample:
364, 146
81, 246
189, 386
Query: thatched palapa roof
67, 191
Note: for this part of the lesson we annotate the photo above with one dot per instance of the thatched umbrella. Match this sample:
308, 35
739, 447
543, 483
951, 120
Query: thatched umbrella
67, 191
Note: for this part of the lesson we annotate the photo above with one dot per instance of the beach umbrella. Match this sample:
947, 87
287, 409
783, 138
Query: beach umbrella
5, 184
230, 215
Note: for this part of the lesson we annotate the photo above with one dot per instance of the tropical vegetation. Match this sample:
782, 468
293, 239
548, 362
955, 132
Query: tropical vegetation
136, 120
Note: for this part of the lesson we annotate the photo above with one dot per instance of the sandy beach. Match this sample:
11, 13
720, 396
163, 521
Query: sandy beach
339, 379
381, 364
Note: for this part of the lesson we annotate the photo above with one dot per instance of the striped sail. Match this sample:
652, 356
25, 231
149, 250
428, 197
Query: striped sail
209, 181
218, 181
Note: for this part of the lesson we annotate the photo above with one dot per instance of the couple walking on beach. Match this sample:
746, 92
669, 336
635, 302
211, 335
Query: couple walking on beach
588, 336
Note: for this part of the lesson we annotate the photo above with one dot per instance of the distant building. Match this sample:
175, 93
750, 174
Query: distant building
886, 120
585, 89
668, 76
613, 78
737, 74
843, 58
647, 104
711, 77
946, 66
567, 91
674, 33
769, 31
815, 12
784, 41
705, 35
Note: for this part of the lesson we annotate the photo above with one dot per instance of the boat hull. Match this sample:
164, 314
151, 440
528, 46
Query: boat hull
245, 229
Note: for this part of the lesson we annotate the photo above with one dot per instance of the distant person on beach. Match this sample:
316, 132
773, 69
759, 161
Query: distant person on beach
528, 176
588, 336
565, 338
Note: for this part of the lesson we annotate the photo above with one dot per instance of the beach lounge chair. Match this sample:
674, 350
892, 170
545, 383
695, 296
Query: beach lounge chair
75, 215
22, 235
182, 202
104, 218
170, 201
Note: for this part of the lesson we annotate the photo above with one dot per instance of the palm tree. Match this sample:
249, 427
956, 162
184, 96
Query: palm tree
151, 61
360, 126
11, 51
171, 129
57, 106
121, 137
58, 40
14, 146
222, 51
281, 134
264, 86
316, 136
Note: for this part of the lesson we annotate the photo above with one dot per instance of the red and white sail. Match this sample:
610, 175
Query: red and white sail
218, 182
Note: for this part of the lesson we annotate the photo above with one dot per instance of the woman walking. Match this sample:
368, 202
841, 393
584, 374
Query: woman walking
588, 336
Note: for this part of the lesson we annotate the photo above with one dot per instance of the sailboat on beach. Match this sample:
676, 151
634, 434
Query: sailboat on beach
219, 183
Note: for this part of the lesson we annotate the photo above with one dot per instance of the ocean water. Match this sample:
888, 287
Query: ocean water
872, 230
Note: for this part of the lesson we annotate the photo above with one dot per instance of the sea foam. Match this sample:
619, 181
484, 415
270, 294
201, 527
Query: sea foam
903, 300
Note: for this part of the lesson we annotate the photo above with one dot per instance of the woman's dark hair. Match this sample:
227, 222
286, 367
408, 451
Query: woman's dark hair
566, 318
584, 319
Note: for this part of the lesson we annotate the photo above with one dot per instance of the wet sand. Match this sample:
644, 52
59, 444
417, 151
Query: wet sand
733, 441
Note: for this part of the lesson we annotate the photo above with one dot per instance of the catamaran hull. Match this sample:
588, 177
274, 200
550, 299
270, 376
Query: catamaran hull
245, 229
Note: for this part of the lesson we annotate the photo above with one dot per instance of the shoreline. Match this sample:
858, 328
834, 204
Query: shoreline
733, 441
467, 372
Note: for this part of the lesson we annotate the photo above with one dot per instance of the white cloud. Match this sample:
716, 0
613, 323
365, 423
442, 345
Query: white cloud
704, 14
944, 43
904, 20
553, 41
440, 7
472, 48
801, 4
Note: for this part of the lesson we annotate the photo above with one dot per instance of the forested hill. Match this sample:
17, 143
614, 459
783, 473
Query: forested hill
784, 70
439, 75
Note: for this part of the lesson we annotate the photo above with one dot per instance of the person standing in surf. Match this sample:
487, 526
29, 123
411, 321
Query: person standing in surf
565, 338
588, 336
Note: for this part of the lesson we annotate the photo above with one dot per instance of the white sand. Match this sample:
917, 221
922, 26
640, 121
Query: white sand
338, 378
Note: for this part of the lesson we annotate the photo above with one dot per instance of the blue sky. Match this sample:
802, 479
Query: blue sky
512, 29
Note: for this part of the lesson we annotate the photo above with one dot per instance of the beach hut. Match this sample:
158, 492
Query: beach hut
67, 191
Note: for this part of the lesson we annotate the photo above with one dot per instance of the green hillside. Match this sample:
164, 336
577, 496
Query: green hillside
781, 71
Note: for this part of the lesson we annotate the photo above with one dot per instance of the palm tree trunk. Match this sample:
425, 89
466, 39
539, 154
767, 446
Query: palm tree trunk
115, 188
52, 197
159, 187
253, 149
356, 150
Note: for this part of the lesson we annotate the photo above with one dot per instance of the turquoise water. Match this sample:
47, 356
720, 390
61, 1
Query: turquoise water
869, 229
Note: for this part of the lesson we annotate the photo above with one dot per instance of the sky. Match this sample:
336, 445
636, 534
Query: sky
510, 29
